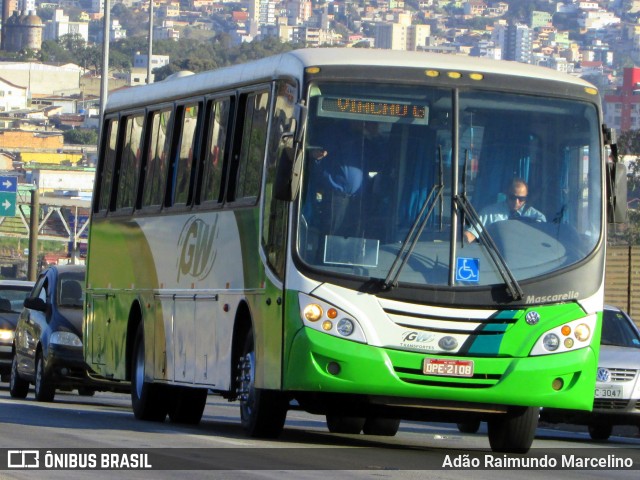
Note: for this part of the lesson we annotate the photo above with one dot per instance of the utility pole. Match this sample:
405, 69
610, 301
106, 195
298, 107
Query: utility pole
34, 226
106, 36
150, 51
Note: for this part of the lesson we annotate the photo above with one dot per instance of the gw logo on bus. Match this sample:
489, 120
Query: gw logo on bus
196, 248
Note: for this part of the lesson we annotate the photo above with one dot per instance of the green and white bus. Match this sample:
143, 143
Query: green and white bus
290, 232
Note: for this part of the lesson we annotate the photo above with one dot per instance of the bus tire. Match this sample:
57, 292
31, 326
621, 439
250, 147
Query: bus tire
262, 412
18, 387
600, 432
514, 431
44, 389
186, 405
147, 399
386, 427
472, 426
345, 424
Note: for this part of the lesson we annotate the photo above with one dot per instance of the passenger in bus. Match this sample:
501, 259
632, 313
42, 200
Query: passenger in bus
337, 178
513, 207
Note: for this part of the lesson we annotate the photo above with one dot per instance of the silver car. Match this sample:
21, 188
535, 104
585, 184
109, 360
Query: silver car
617, 395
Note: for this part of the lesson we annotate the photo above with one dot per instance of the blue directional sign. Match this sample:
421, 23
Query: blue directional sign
8, 194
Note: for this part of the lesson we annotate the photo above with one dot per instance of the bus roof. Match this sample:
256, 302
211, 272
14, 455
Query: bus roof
293, 63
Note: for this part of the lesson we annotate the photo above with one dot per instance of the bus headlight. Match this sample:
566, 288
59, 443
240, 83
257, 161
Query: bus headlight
566, 337
6, 336
345, 327
551, 342
326, 318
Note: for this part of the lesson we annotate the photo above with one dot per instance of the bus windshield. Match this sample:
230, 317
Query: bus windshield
447, 187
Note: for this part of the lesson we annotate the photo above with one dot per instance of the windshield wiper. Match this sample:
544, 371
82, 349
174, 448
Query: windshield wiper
409, 243
483, 236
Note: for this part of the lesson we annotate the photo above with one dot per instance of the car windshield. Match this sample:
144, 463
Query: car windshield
381, 197
71, 291
618, 330
12, 298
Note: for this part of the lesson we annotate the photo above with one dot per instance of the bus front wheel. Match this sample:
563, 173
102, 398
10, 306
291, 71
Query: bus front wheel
514, 431
147, 399
262, 412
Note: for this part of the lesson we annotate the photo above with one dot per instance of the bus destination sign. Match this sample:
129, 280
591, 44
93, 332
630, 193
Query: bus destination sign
373, 110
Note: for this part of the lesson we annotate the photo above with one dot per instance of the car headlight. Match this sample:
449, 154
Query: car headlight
68, 339
567, 337
326, 318
6, 336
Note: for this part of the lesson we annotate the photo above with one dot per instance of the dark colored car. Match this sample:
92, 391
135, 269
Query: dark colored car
12, 295
48, 337
617, 394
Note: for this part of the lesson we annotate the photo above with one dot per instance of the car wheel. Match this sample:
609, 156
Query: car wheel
382, 426
600, 432
262, 412
514, 431
471, 426
345, 424
148, 400
18, 388
186, 405
44, 388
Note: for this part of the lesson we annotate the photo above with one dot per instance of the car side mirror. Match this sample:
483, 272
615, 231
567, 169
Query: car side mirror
35, 304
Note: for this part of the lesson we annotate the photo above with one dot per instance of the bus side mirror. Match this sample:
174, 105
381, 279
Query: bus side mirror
617, 192
616, 172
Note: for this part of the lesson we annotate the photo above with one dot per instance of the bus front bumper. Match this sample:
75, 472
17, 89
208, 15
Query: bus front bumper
326, 364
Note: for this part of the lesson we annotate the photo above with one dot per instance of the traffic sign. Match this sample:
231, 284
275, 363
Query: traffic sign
8, 194
8, 184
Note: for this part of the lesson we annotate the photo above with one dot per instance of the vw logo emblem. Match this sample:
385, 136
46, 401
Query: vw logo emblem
532, 317
604, 375
448, 343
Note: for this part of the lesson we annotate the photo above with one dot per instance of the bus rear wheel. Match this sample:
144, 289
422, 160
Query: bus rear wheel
262, 412
186, 405
514, 431
147, 400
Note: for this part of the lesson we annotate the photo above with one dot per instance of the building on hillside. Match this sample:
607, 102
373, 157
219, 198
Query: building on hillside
12, 97
622, 108
40, 78
401, 35
60, 26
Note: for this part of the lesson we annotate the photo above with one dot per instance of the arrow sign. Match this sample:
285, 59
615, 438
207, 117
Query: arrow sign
8, 193
8, 184
7, 204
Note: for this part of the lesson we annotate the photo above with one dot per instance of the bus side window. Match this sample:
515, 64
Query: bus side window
107, 164
129, 168
212, 169
157, 159
253, 144
182, 168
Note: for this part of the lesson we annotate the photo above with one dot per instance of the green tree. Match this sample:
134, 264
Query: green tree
81, 136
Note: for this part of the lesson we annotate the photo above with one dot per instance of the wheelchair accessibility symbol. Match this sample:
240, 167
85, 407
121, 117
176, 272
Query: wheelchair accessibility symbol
467, 269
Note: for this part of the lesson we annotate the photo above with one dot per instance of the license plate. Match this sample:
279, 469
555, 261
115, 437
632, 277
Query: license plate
447, 367
609, 392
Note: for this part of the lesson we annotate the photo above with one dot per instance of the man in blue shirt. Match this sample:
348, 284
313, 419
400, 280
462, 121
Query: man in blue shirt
513, 207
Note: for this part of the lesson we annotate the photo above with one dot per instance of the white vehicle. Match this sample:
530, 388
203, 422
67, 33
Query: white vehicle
617, 395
